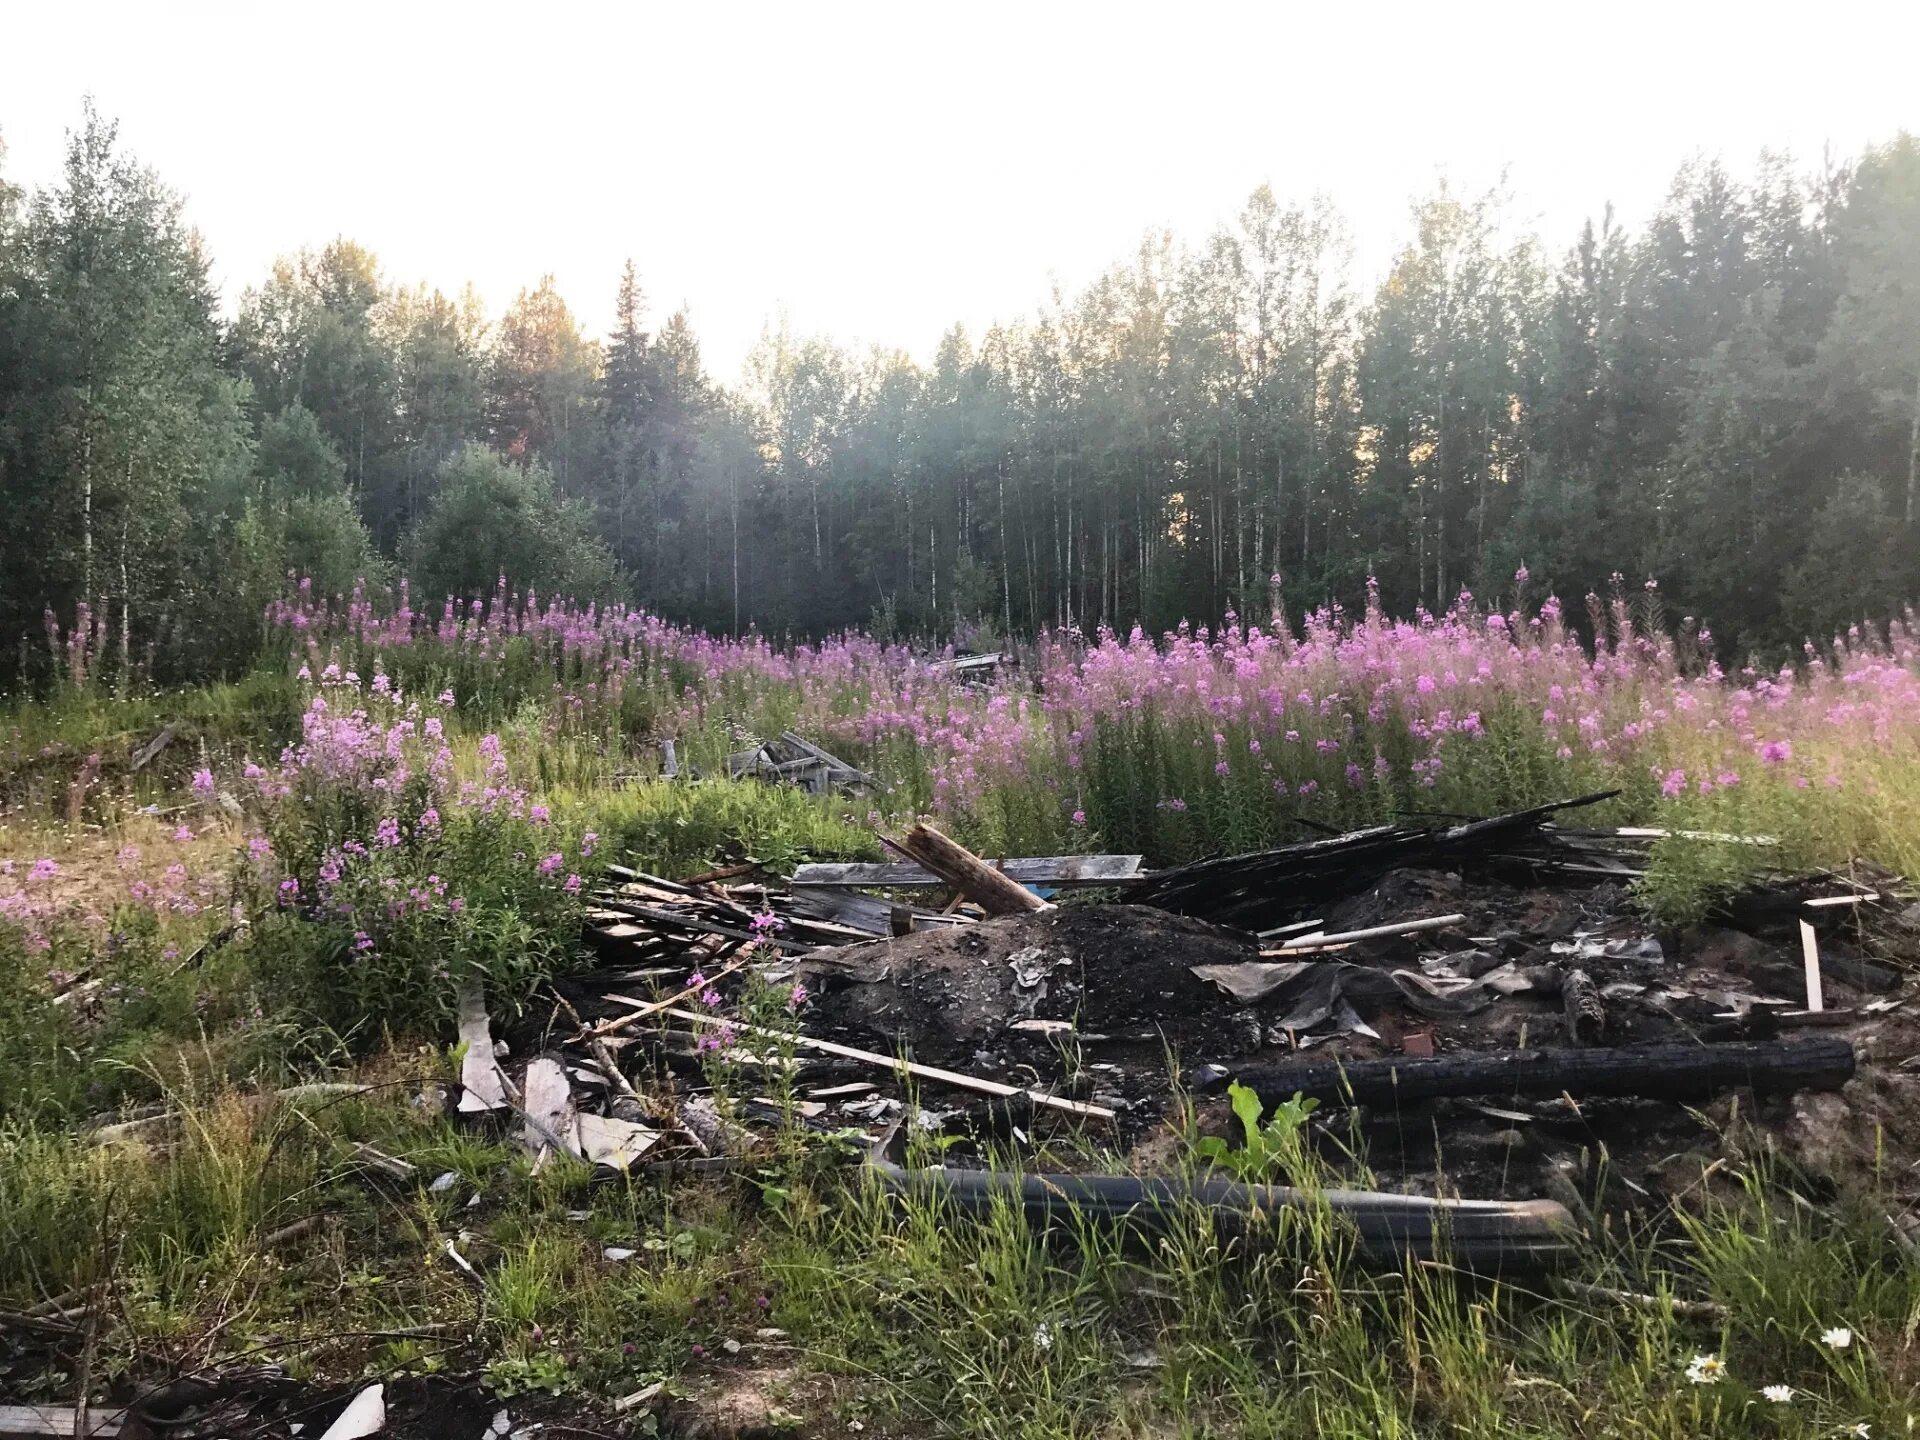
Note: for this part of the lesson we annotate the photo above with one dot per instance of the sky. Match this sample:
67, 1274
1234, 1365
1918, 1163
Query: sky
876, 173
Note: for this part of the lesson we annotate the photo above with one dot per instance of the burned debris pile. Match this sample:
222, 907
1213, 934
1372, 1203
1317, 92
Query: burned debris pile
1478, 1005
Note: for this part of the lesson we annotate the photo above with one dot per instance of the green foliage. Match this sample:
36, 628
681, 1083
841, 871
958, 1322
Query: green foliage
1266, 1148
384, 921
682, 829
328, 543
492, 519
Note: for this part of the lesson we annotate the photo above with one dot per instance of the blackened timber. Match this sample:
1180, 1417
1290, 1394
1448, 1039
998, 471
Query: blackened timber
1681, 1073
692, 925
1258, 890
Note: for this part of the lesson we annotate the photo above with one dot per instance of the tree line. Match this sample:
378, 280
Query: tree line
1727, 399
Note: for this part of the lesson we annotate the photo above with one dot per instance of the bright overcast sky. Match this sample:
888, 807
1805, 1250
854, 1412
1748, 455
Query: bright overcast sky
879, 172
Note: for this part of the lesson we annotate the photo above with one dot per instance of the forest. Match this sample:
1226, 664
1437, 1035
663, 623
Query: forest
1724, 403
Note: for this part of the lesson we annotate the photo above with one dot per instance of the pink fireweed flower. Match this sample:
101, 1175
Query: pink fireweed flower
539, 815
766, 923
289, 891
43, 869
696, 980
183, 835
571, 884
1222, 768
1079, 817
710, 998
446, 699
1674, 783
1776, 752
429, 819
259, 847
797, 996
203, 782
587, 842
553, 863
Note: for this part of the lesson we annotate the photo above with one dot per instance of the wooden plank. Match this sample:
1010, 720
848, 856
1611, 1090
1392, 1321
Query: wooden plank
62, 1420
1377, 932
1810, 954
863, 913
1063, 871
909, 1067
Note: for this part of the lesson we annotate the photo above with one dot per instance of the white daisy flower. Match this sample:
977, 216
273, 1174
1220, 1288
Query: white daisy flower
1839, 1337
1778, 1394
1706, 1370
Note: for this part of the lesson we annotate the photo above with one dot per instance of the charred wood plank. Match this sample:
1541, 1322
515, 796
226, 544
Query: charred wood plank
1681, 1073
1059, 870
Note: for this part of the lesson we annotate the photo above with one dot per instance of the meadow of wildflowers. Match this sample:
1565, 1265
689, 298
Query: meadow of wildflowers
1211, 738
433, 802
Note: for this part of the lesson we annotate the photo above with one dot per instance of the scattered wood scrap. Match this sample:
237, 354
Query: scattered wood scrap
791, 759
144, 756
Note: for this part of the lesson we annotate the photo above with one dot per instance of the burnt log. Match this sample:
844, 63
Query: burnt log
1680, 1073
